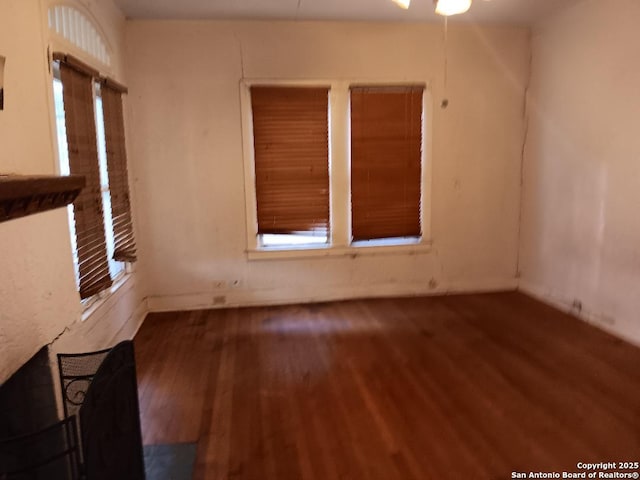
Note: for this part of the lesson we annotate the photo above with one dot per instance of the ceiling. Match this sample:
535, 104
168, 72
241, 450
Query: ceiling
482, 11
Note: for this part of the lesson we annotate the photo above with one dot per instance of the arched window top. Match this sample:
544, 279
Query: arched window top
75, 27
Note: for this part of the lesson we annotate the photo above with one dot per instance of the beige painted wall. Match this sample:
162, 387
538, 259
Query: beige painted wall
186, 144
38, 297
581, 229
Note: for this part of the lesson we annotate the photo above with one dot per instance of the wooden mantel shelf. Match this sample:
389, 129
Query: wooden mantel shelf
25, 195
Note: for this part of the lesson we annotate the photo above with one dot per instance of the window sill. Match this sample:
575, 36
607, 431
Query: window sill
355, 250
96, 302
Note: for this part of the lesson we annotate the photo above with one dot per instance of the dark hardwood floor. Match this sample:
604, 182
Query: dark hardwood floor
456, 387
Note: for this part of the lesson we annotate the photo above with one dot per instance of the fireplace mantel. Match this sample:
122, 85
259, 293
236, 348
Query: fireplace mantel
22, 195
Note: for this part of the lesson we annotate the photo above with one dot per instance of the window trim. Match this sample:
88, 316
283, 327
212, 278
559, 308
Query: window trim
339, 174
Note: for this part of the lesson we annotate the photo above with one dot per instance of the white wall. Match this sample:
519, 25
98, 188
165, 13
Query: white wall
186, 145
581, 228
38, 297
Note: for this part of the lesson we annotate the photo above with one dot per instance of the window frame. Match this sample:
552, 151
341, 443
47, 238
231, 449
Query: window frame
340, 242
103, 168
307, 96
124, 268
118, 266
90, 304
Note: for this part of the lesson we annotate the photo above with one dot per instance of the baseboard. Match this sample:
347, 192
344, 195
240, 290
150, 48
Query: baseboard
597, 319
280, 296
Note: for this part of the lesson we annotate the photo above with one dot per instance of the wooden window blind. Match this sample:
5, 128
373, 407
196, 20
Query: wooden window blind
78, 100
291, 142
125, 245
386, 153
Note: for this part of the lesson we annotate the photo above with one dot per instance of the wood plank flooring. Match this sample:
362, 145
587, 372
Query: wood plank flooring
456, 387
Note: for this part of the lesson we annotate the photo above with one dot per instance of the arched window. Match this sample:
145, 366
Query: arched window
75, 27
100, 221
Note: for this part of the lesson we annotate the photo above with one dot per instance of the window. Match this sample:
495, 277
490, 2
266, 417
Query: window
115, 266
74, 26
348, 162
291, 152
90, 134
386, 162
